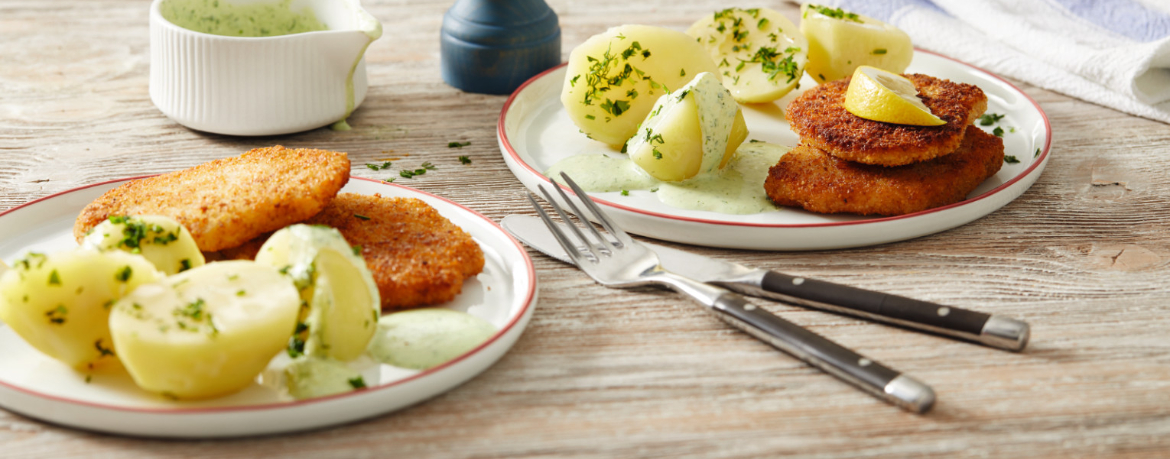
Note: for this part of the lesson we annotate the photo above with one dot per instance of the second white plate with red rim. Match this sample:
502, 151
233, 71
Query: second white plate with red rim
35, 385
535, 132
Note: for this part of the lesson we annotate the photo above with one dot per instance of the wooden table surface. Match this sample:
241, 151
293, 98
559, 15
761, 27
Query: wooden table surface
1082, 256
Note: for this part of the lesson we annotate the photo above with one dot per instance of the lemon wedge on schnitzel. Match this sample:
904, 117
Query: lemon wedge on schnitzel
878, 95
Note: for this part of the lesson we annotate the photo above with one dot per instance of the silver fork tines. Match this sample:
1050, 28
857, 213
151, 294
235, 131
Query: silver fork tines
617, 260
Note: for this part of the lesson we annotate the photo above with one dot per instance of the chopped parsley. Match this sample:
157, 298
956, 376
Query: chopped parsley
879, 51
57, 315
464, 144
123, 274
989, 119
464, 160
427, 166
241, 293
54, 278
1010, 159
998, 131
102, 350
1037, 153
835, 13
357, 249
296, 347
357, 383
625, 192
361, 217
184, 264
375, 167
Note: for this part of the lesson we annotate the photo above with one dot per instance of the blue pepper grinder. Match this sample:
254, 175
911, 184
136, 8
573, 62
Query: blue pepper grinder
494, 46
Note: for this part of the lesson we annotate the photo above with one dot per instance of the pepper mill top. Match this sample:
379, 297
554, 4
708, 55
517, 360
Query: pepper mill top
493, 46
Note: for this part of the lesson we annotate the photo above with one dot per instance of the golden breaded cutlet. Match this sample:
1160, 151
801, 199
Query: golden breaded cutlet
820, 118
227, 202
417, 256
811, 178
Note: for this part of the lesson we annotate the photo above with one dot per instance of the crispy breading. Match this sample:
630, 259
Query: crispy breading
227, 202
417, 256
810, 178
820, 118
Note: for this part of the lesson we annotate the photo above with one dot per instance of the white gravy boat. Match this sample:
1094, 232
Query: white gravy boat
263, 85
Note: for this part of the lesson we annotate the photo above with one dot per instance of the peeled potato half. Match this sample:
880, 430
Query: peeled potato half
760, 53
60, 303
614, 78
840, 41
205, 332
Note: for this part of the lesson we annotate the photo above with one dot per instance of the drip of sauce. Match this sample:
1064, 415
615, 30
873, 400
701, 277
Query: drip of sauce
221, 17
736, 189
373, 30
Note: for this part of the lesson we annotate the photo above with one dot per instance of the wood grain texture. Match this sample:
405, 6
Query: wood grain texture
1083, 256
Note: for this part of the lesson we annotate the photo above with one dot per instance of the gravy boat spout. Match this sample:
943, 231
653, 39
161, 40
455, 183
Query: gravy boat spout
259, 67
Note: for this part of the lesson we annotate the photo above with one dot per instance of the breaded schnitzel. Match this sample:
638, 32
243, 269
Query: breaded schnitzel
810, 178
417, 256
227, 202
820, 118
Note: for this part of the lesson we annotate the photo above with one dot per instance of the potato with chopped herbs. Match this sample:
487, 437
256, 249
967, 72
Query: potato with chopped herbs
162, 240
840, 41
60, 303
760, 53
613, 78
205, 332
692, 131
342, 298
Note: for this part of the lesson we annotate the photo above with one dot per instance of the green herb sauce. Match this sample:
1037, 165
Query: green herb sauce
221, 17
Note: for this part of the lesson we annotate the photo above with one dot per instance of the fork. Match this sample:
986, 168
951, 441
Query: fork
619, 261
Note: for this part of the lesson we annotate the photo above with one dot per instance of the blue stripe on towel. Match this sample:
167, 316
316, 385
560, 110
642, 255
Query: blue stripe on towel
885, 9
1123, 17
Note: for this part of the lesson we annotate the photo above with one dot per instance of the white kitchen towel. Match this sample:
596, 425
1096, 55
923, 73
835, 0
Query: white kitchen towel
1114, 53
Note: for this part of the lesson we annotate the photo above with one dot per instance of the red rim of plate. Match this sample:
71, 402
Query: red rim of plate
530, 295
503, 136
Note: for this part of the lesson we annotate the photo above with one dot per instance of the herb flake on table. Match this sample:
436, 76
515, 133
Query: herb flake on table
464, 160
457, 144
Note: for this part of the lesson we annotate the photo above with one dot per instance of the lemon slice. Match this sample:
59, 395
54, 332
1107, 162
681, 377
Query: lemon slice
878, 95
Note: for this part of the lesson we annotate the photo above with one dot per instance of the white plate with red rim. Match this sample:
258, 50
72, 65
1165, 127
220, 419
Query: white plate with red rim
34, 385
535, 132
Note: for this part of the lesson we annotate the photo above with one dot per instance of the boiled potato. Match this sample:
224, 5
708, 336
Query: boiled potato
60, 303
760, 53
336, 284
162, 240
691, 131
614, 78
840, 41
205, 332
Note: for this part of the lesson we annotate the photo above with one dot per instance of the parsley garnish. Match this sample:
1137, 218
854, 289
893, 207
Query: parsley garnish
361, 217
836, 13
464, 160
358, 383
879, 51
1037, 153
123, 274
57, 315
625, 192
464, 144
184, 264
989, 119
998, 131
375, 167
1010, 159
54, 278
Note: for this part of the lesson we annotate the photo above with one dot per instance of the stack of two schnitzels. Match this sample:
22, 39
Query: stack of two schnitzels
231, 206
848, 164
